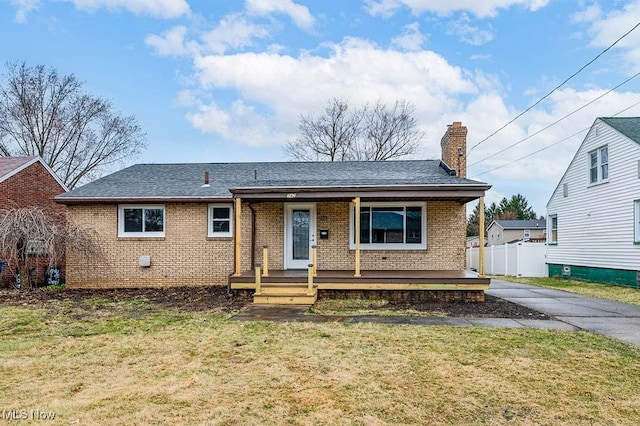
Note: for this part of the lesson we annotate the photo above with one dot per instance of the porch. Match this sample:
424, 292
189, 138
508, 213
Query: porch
302, 286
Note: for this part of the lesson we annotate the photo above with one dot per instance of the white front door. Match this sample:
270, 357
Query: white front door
299, 235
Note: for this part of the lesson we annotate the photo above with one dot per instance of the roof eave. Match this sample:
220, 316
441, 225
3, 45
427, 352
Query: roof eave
139, 200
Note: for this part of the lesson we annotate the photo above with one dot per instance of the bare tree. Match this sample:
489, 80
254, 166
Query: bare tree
30, 234
329, 136
78, 135
389, 132
341, 133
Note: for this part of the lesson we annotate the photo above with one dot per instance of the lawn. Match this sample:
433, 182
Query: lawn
604, 291
119, 362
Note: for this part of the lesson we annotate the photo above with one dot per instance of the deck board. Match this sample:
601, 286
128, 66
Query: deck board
395, 279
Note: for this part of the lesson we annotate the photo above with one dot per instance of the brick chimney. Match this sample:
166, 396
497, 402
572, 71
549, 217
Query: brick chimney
454, 148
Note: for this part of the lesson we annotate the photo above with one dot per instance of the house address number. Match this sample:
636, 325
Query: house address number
291, 195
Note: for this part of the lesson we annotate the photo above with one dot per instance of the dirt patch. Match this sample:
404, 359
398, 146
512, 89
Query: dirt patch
200, 299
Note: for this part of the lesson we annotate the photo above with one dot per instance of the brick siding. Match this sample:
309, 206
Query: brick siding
185, 256
32, 186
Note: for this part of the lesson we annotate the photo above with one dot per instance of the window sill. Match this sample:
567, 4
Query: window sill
216, 238
417, 247
636, 243
601, 182
137, 238
552, 244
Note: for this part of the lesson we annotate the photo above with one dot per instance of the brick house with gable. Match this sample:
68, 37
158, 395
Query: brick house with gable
309, 226
25, 182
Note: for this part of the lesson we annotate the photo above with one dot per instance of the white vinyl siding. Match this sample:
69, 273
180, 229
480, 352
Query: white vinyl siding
596, 223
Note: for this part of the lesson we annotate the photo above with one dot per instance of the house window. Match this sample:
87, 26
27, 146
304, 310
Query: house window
636, 221
552, 233
140, 221
599, 165
220, 220
390, 226
527, 233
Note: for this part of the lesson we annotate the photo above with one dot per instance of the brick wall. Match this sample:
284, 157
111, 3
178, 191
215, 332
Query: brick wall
185, 256
32, 186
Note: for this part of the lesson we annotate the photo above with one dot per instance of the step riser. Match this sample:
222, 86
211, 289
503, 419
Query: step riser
283, 290
287, 300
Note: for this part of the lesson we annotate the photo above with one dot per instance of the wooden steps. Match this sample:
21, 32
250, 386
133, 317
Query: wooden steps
285, 294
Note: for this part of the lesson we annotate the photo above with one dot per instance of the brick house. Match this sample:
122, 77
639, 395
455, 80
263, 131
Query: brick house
364, 226
25, 182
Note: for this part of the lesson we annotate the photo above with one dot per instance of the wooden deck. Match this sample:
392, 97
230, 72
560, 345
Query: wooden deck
370, 280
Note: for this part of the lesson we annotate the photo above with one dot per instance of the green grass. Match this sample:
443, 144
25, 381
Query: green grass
362, 307
110, 365
604, 291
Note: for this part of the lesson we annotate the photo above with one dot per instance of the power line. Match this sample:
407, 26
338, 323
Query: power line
557, 121
555, 88
553, 144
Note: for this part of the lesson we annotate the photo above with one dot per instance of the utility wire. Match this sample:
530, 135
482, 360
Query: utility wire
557, 121
553, 144
555, 88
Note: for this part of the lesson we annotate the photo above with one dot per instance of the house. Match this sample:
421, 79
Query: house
474, 241
25, 182
507, 231
593, 215
365, 226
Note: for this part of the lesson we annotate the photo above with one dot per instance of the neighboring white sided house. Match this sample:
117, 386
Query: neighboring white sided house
593, 216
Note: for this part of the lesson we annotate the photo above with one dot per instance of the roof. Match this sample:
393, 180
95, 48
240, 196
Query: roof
521, 224
186, 181
628, 126
10, 166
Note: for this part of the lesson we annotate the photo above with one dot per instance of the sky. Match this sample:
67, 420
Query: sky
227, 81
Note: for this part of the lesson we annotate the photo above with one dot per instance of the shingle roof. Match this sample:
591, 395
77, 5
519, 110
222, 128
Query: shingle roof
9, 164
186, 180
628, 126
521, 224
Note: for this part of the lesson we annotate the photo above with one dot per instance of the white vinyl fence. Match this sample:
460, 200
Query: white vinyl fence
517, 259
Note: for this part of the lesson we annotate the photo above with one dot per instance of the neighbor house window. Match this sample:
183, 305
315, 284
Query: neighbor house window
552, 233
527, 233
599, 165
220, 220
390, 226
140, 221
636, 221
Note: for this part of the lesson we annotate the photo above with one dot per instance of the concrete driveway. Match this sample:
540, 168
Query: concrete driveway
617, 320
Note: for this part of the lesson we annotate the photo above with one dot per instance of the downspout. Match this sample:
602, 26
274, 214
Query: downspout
253, 236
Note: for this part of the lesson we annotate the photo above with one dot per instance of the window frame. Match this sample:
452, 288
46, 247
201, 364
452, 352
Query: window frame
527, 233
550, 229
636, 222
144, 234
210, 231
599, 166
390, 246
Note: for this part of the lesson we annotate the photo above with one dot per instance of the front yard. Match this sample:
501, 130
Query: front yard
114, 361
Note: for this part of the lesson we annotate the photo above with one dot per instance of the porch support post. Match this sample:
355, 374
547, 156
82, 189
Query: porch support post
237, 253
481, 235
310, 279
265, 261
314, 259
357, 235
258, 281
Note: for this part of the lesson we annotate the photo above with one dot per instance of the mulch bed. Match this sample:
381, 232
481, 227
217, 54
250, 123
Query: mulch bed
200, 299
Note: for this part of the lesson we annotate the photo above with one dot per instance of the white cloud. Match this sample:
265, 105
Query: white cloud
233, 31
172, 43
23, 7
286, 86
481, 9
157, 8
298, 13
411, 38
590, 14
469, 34
605, 29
